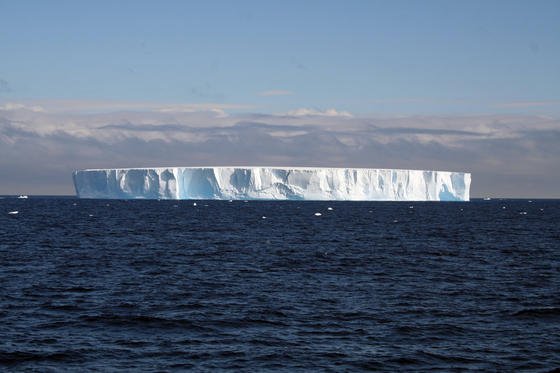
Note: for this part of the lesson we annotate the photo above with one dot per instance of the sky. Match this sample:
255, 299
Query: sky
465, 86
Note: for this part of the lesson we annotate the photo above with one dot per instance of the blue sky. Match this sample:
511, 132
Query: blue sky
409, 57
468, 86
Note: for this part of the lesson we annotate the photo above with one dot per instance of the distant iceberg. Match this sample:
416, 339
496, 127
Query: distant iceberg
272, 183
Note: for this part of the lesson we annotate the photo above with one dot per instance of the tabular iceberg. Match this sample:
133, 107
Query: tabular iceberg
272, 183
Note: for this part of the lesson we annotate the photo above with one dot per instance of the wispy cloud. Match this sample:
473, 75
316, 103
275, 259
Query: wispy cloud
276, 92
104, 106
11, 106
4, 86
305, 112
527, 104
418, 100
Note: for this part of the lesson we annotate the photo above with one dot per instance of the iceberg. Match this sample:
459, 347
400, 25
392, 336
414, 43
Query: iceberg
272, 183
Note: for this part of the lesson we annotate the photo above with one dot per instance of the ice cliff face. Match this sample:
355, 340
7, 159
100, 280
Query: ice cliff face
284, 183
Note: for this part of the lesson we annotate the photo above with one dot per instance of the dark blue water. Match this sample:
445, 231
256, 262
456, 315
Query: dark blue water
165, 285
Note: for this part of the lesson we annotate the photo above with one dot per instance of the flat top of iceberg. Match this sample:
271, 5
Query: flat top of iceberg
268, 167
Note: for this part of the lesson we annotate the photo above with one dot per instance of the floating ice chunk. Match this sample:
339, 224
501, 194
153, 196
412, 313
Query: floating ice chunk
523, 213
329, 208
13, 212
194, 204
318, 214
273, 183
264, 217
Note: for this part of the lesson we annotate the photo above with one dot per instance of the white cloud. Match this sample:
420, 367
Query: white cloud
105, 106
306, 112
11, 106
191, 108
276, 92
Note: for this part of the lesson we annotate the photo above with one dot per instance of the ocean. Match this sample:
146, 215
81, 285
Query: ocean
108, 285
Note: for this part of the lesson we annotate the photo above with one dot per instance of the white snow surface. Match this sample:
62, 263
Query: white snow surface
272, 183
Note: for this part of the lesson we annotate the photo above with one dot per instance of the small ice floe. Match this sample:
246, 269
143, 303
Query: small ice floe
318, 214
530, 201
523, 213
230, 201
22, 196
90, 215
541, 209
13, 212
175, 205
503, 207
245, 201
410, 207
74, 204
194, 204
395, 221
487, 198
205, 205
329, 208
264, 217
461, 209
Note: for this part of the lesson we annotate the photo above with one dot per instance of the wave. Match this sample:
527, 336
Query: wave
541, 312
143, 321
17, 357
